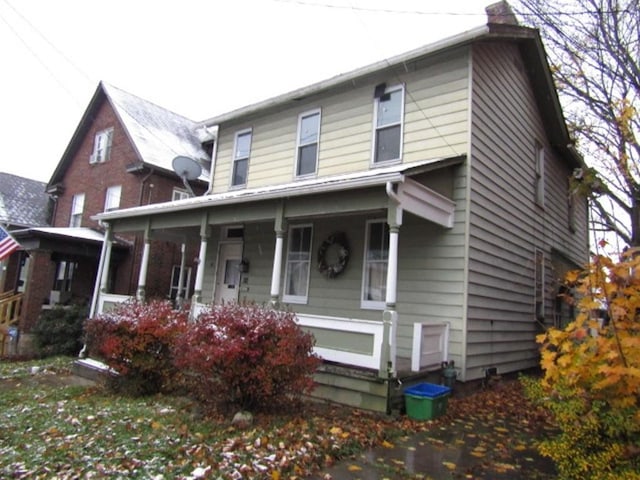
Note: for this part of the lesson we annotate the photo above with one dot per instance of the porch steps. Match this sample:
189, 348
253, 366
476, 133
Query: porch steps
351, 386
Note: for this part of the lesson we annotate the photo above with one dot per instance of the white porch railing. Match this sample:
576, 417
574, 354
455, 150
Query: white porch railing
346, 340
106, 301
430, 345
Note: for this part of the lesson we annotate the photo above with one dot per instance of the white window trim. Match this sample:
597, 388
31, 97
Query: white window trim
77, 209
175, 269
390, 89
179, 194
108, 135
234, 159
110, 194
308, 113
539, 294
369, 304
299, 299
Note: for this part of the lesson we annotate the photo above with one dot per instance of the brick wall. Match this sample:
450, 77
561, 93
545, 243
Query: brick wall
40, 278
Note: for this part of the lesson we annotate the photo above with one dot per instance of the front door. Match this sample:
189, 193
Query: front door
228, 273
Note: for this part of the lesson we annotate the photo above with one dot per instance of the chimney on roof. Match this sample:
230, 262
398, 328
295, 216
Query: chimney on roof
500, 12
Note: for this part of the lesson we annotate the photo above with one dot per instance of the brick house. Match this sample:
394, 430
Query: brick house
120, 156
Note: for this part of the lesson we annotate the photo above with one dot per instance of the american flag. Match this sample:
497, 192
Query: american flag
7, 244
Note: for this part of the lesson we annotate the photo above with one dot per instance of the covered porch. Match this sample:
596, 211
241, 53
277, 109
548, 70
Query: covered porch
327, 249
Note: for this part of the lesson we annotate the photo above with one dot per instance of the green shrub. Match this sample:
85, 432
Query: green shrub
249, 356
135, 340
59, 331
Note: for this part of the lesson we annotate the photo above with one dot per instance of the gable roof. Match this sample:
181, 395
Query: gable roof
157, 135
23, 202
527, 39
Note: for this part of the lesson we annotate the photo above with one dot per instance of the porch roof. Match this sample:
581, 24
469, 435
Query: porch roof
373, 177
79, 234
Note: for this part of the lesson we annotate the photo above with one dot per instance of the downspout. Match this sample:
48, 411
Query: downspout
390, 315
214, 154
133, 286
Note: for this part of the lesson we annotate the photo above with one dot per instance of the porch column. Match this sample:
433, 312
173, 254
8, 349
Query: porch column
144, 265
202, 257
181, 291
390, 315
102, 275
279, 228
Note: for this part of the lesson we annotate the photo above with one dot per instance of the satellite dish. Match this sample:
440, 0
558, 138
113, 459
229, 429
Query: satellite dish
187, 169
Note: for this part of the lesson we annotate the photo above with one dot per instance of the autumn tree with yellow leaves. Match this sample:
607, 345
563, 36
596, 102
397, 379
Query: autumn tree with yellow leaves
591, 379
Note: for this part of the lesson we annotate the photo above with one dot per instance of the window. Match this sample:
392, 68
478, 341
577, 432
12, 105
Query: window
539, 284
64, 276
539, 174
112, 198
77, 207
298, 264
175, 279
388, 114
102, 146
179, 194
376, 258
241, 150
307, 150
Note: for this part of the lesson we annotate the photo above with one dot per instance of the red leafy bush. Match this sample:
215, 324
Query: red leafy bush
135, 340
250, 356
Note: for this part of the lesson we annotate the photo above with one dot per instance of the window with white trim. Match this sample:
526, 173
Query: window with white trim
241, 151
102, 146
64, 275
376, 260
112, 198
179, 194
296, 279
77, 207
539, 152
307, 143
388, 120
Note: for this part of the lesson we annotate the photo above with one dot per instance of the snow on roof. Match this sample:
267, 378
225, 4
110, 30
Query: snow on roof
23, 201
159, 134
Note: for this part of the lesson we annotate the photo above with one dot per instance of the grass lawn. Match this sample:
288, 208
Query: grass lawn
51, 429
68, 431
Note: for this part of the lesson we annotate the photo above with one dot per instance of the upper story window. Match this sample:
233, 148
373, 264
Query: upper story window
307, 145
376, 259
102, 146
77, 207
179, 194
241, 151
112, 198
296, 280
539, 186
388, 115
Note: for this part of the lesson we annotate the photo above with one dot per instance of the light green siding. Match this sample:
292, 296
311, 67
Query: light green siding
506, 226
435, 126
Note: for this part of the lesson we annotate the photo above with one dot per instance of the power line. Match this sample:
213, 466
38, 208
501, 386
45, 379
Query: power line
446, 13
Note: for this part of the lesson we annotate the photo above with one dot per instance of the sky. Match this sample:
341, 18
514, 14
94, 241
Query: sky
198, 58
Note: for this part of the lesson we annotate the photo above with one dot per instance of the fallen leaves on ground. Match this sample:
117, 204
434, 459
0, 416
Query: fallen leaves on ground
75, 432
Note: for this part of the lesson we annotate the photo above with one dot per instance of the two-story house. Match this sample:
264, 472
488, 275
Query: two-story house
412, 211
120, 156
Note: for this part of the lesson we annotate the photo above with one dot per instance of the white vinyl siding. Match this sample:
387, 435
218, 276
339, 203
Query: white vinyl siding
102, 146
77, 207
241, 152
296, 279
388, 121
307, 144
376, 259
112, 198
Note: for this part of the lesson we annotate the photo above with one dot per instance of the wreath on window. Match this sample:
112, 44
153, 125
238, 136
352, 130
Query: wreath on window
337, 246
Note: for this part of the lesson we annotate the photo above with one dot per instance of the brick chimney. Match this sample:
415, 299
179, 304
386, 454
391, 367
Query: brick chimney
500, 12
